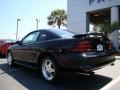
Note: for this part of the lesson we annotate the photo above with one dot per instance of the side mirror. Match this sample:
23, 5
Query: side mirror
18, 42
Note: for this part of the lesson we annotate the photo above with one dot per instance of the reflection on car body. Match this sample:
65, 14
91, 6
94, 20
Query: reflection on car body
4, 44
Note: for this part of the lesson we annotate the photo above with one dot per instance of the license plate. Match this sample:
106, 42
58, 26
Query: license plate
99, 47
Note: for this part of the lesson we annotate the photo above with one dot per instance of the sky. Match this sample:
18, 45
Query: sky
27, 11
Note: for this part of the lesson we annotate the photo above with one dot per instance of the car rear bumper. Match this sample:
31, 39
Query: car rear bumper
88, 63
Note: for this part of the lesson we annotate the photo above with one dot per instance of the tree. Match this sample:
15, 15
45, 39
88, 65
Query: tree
109, 28
57, 17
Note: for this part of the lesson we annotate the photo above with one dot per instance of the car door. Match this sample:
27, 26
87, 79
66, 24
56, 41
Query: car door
27, 47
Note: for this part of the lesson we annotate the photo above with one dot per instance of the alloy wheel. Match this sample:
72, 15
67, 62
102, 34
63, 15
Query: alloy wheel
48, 69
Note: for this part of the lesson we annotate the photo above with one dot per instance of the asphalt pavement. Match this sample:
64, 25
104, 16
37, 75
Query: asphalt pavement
22, 78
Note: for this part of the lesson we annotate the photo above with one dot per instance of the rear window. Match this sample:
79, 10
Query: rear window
9, 40
6, 41
64, 33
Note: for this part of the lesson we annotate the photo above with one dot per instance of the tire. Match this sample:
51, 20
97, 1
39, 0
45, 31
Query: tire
10, 60
49, 70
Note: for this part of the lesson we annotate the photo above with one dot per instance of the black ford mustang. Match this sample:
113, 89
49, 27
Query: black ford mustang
55, 51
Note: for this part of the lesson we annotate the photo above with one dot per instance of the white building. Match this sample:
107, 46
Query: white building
82, 13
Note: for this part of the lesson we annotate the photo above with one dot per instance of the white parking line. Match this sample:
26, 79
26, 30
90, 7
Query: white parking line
117, 57
108, 86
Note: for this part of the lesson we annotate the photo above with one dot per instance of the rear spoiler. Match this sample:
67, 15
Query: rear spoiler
87, 35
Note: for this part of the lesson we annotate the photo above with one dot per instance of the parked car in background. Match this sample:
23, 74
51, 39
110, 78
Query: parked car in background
56, 51
4, 44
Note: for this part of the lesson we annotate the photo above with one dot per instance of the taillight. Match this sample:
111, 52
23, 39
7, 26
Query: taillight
83, 46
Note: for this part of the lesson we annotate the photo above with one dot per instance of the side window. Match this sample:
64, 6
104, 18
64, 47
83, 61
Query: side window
31, 38
42, 37
46, 36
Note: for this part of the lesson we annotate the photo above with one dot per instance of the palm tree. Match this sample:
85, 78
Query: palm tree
57, 17
112, 31
109, 28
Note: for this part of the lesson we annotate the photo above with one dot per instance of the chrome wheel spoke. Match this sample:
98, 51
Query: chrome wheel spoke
52, 70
